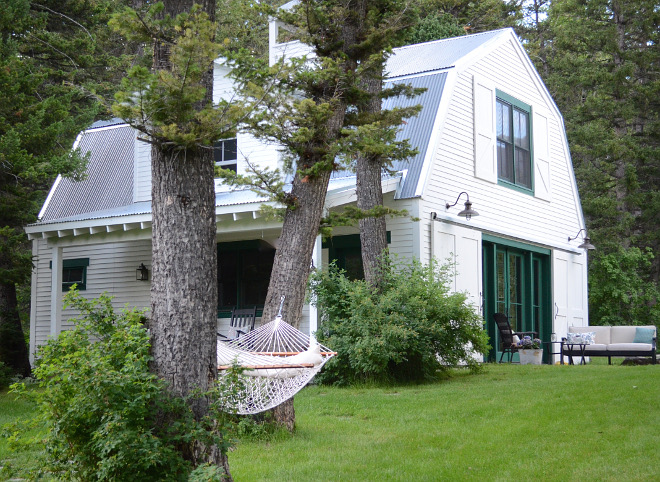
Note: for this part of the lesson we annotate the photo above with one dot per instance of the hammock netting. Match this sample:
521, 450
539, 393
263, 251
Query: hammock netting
276, 361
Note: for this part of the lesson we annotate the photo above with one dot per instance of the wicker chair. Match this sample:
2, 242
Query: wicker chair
507, 334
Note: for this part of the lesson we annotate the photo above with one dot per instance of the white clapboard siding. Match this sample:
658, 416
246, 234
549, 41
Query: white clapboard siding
548, 215
223, 87
257, 153
111, 269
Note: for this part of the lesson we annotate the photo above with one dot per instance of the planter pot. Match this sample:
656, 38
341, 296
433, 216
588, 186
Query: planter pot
531, 357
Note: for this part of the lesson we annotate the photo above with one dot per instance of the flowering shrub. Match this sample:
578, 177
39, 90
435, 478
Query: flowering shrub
527, 343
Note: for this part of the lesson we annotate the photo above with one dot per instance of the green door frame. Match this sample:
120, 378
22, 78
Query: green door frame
535, 279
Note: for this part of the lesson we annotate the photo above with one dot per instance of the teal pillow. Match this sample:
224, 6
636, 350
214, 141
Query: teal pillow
644, 335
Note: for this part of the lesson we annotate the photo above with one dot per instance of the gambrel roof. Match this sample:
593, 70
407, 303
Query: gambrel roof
107, 190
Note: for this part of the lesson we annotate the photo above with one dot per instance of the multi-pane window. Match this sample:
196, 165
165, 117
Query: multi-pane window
225, 153
74, 271
514, 157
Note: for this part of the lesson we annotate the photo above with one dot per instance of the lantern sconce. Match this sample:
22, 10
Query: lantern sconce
586, 241
468, 212
142, 273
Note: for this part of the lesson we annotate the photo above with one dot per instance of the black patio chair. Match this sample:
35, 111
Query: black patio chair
242, 321
506, 335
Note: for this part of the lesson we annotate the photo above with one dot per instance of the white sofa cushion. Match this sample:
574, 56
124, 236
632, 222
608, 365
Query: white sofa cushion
629, 346
602, 333
623, 334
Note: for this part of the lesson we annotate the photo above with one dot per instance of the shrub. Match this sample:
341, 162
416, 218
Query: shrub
410, 330
6, 375
108, 417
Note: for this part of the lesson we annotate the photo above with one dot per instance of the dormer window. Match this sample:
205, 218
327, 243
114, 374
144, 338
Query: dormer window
514, 154
225, 153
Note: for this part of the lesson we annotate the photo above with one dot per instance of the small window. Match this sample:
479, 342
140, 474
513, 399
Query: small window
225, 153
74, 271
514, 154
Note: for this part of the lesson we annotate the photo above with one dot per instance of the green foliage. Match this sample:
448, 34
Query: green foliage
410, 330
172, 105
6, 375
601, 68
434, 27
108, 417
619, 293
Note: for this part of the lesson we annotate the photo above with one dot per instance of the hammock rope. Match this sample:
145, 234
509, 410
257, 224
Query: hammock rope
277, 361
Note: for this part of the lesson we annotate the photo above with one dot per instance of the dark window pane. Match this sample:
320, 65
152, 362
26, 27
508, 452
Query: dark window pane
505, 161
520, 128
523, 168
73, 275
230, 150
503, 121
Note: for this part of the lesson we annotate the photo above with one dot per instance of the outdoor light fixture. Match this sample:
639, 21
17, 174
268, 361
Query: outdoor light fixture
586, 242
468, 212
142, 273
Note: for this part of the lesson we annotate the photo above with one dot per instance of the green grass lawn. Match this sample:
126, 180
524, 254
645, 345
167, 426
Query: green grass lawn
593, 422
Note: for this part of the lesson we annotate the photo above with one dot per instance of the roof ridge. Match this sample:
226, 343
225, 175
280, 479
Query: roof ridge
403, 47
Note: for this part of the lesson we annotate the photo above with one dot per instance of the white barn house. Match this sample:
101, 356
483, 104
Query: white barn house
488, 129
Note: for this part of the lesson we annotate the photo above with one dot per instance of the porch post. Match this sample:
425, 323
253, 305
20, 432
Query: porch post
56, 292
317, 261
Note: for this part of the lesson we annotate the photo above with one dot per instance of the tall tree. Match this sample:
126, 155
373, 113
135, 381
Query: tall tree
604, 74
51, 54
171, 104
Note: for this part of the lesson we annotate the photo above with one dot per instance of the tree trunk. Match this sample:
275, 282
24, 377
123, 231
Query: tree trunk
184, 262
13, 350
369, 191
293, 258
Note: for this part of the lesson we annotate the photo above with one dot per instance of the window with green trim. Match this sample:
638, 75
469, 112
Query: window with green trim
514, 142
74, 271
346, 251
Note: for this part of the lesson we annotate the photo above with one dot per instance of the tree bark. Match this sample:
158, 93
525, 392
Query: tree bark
184, 262
293, 257
369, 191
13, 350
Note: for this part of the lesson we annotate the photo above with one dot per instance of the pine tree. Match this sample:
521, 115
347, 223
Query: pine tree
604, 75
53, 65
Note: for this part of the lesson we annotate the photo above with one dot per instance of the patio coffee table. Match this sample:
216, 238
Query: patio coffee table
582, 348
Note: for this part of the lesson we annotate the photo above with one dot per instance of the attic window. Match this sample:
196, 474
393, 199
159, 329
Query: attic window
514, 141
225, 153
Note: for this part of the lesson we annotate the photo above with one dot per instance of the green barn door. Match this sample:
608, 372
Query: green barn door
516, 283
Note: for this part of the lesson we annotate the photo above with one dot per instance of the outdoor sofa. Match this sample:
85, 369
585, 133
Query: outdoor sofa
609, 341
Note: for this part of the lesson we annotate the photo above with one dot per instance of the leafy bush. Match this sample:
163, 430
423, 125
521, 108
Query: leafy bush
410, 330
619, 293
108, 417
6, 374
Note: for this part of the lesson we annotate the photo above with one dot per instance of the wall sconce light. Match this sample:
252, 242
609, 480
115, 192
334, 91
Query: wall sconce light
142, 273
586, 242
468, 212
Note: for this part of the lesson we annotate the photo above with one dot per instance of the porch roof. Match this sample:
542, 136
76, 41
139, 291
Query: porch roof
230, 206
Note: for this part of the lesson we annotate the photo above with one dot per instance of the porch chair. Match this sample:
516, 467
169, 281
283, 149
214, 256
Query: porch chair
507, 334
242, 322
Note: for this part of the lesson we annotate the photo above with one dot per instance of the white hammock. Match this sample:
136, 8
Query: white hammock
278, 361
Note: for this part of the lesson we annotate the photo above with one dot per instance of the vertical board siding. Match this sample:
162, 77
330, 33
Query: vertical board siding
141, 170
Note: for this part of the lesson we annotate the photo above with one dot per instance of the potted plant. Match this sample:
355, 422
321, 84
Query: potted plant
530, 351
